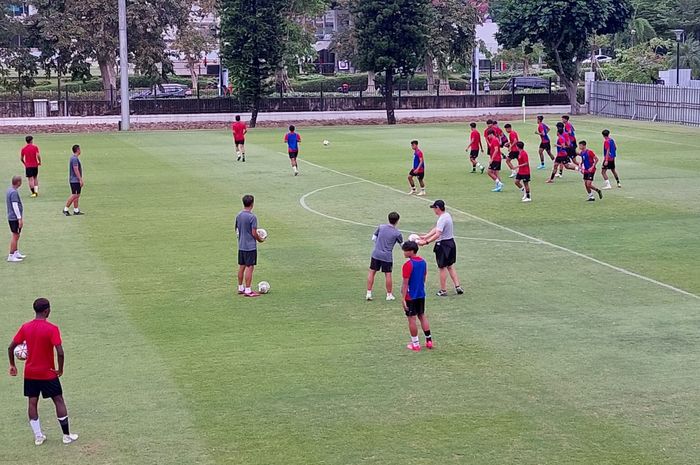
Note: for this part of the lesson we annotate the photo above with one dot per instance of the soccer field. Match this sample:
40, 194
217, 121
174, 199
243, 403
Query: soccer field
576, 341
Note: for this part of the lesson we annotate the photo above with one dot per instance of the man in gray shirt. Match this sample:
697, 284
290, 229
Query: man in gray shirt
248, 238
15, 210
75, 178
445, 247
385, 237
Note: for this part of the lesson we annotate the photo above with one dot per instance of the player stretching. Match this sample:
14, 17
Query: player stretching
239, 129
562, 159
545, 143
247, 232
418, 169
589, 160
610, 154
414, 273
40, 374
75, 178
293, 139
522, 179
474, 147
495, 166
14, 217
382, 260
512, 149
32, 161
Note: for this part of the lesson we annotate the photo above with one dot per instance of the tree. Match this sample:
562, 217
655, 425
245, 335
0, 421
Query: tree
89, 30
193, 41
689, 56
524, 54
15, 53
252, 57
299, 30
392, 39
564, 27
640, 63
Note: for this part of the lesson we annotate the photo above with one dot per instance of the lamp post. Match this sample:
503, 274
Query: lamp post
679, 37
123, 66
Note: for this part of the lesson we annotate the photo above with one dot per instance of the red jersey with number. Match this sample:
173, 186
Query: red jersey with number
523, 159
238, 129
495, 149
41, 338
475, 140
30, 156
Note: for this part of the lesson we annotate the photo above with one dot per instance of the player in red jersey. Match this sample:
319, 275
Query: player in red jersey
502, 139
545, 143
239, 129
41, 377
489, 125
610, 155
31, 159
589, 160
562, 160
512, 145
418, 169
496, 157
474, 148
522, 179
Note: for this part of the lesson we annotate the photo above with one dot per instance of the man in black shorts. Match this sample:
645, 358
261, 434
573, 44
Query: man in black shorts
15, 212
445, 247
385, 237
41, 378
75, 178
248, 238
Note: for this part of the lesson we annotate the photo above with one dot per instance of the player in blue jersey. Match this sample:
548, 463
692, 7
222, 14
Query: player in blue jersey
292, 138
545, 142
609, 156
414, 272
589, 160
418, 169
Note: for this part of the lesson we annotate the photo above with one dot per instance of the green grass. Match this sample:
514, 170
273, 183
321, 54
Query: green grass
550, 357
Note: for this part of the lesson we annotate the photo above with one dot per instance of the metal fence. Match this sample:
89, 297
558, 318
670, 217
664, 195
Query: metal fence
646, 102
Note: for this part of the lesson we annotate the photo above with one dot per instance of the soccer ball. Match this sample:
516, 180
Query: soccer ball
326, 143
263, 287
21, 351
414, 237
262, 234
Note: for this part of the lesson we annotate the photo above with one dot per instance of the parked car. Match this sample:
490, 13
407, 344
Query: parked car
163, 91
527, 82
599, 59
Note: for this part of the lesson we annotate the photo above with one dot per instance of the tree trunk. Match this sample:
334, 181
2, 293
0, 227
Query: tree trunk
389, 96
254, 112
444, 83
192, 66
526, 66
108, 70
572, 92
430, 73
282, 79
371, 88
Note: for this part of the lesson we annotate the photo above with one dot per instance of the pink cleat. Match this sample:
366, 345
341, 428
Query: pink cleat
414, 348
429, 344
251, 294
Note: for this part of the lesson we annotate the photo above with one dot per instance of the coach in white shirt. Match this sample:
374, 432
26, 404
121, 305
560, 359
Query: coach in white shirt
445, 248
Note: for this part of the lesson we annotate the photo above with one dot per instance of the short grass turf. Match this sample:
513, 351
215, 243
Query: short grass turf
549, 358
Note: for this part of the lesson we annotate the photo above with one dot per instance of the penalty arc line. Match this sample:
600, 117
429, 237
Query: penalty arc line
526, 236
302, 202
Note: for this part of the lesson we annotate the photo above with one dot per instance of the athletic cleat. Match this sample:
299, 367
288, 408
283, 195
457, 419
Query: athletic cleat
541, 167
512, 175
241, 292
413, 347
498, 188
549, 181
34, 194
238, 158
474, 170
368, 297
19, 254
590, 199
459, 290
421, 194
39, 440
78, 213
69, 438
558, 175
412, 192
619, 186
482, 169
251, 294
296, 173
243, 160
13, 259
600, 194
607, 186
441, 293
527, 199
66, 212
390, 297
429, 344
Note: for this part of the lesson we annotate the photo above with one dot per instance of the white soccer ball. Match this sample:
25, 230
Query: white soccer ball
262, 234
414, 237
21, 351
326, 143
263, 287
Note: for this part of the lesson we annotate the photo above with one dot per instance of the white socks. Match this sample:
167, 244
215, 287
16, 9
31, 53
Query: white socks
36, 427
76, 210
247, 290
414, 340
241, 288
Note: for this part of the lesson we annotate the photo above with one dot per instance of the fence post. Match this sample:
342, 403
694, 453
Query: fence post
549, 92
399, 103
322, 105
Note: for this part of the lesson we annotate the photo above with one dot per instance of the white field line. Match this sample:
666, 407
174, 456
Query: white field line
526, 236
303, 203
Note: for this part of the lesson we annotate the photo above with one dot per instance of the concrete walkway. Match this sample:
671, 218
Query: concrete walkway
287, 116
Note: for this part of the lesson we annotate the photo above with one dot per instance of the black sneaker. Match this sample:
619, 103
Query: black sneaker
243, 160
600, 194
590, 199
459, 290
66, 212
441, 293
239, 158
78, 213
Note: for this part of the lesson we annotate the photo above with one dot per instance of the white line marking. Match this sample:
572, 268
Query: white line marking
303, 203
518, 233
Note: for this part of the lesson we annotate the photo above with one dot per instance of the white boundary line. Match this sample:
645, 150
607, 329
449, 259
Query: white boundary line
518, 233
303, 203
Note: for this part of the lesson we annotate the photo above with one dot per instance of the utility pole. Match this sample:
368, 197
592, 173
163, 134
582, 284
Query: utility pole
123, 66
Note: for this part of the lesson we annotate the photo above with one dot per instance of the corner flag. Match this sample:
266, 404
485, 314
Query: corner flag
523, 108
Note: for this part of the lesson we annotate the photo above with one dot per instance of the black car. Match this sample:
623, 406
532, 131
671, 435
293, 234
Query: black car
527, 82
163, 91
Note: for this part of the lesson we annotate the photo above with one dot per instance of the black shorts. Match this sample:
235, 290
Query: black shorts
610, 165
380, 265
14, 226
248, 257
495, 166
546, 146
75, 188
445, 253
571, 152
31, 172
513, 155
416, 307
588, 176
293, 154
522, 177
239, 142
420, 175
48, 388
473, 153
562, 159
